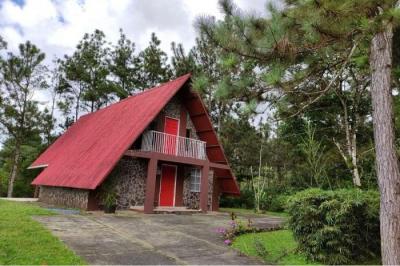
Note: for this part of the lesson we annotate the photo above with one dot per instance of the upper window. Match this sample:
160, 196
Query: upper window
195, 176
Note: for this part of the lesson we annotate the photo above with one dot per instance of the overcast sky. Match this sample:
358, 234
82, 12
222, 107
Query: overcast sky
56, 26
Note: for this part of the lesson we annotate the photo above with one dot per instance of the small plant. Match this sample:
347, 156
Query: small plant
236, 227
110, 201
108, 197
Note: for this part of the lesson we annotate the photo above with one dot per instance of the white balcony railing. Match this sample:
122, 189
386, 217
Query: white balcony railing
174, 145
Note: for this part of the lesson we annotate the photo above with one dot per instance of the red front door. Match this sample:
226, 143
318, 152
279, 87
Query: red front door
171, 128
167, 185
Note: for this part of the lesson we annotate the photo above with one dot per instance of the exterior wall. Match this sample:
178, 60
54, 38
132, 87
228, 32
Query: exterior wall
129, 175
129, 178
65, 197
173, 109
192, 199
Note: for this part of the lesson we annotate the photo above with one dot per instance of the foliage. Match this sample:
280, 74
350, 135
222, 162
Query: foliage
154, 66
275, 247
109, 199
245, 201
236, 227
85, 83
250, 212
25, 241
124, 67
314, 154
275, 202
108, 194
31, 148
22, 75
336, 227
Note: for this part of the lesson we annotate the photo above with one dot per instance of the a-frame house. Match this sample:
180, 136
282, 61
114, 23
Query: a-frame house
159, 148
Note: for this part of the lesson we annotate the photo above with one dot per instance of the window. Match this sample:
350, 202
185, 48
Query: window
195, 176
188, 133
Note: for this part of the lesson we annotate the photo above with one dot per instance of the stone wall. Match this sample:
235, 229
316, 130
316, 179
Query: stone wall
65, 197
192, 199
129, 178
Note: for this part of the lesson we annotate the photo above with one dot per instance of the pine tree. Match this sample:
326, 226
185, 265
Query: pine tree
153, 65
22, 75
314, 39
182, 63
85, 84
124, 67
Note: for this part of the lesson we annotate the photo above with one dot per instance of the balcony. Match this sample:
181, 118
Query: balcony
160, 142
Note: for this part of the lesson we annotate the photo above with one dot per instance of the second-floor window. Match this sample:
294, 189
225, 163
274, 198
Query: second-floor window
195, 176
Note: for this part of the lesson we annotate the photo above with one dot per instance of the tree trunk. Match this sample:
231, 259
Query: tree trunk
354, 163
386, 159
14, 171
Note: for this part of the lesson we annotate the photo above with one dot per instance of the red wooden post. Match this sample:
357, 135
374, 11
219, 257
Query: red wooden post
204, 188
150, 185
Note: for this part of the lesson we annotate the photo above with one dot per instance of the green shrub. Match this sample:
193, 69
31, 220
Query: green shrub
245, 201
336, 227
276, 203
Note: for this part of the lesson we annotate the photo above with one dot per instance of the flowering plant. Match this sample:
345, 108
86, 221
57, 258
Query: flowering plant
235, 228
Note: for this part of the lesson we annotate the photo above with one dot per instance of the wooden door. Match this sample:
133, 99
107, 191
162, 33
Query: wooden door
167, 185
171, 127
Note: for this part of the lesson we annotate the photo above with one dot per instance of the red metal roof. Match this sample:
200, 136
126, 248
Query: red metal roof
87, 152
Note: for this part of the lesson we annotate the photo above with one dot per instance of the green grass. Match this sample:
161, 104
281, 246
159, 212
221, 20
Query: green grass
251, 212
280, 246
25, 241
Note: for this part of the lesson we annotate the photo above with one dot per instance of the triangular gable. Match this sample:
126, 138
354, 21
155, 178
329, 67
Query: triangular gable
215, 152
87, 152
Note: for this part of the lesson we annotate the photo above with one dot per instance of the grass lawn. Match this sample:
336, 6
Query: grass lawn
249, 211
25, 241
279, 245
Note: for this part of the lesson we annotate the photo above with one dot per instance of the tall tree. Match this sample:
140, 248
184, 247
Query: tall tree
182, 63
124, 67
22, 75
85, 84
154, 66
301, 42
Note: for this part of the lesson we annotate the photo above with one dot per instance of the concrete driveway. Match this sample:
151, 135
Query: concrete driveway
134, 238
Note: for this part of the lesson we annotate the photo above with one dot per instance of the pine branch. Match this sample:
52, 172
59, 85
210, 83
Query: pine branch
331, 83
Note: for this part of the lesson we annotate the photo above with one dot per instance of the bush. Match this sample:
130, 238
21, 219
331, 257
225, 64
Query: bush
336, 227
246, 200
274, 202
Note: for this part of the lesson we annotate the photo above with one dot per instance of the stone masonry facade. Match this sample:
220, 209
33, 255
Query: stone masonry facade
65, 197
192, 199
129, 179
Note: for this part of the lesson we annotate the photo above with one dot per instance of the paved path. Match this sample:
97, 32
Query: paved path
133, 238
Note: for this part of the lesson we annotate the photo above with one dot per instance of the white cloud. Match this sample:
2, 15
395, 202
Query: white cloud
56, 26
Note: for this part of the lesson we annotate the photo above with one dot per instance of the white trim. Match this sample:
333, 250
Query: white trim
176, 175
199, 177
38, 166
